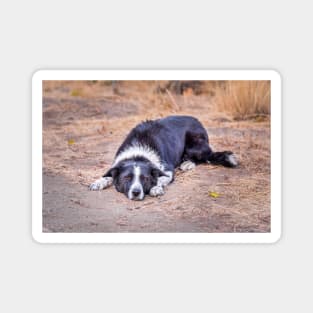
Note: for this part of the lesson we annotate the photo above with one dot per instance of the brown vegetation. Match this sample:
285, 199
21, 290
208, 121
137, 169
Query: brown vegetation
244, 99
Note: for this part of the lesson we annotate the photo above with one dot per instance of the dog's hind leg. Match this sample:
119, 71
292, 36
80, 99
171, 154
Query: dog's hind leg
163, 181
102, 183
198, 150
187, 165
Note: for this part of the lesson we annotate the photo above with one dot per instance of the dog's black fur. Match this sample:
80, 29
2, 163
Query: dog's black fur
174, 139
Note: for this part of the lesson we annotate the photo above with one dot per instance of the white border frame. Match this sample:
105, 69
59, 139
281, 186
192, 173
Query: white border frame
42, 237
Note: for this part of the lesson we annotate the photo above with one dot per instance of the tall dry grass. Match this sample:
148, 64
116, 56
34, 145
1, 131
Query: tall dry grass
244, 99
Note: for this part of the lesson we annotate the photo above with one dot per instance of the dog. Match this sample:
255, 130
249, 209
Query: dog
145, 162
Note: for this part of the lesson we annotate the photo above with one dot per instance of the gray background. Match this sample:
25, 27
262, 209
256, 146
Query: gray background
160, 34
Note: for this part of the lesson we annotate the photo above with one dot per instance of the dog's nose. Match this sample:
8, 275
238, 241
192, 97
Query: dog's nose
136, 192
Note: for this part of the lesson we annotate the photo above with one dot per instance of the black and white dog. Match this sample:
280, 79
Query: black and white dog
146, 160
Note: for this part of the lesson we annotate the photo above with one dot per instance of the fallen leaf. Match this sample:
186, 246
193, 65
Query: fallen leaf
214, 194
71, 141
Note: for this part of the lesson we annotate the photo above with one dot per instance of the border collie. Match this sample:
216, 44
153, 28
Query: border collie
146, 160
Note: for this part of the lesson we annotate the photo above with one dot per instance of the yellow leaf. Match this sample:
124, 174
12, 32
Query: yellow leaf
214, 194
76, 93
71, 141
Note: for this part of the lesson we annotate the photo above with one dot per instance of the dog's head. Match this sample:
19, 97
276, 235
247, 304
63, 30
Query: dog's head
134, 178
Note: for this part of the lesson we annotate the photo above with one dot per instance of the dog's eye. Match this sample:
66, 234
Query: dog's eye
143, 177
128, 177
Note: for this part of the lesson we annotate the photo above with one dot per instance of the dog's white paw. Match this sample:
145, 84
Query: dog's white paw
232, 160
156, 191
187, 165
102, 183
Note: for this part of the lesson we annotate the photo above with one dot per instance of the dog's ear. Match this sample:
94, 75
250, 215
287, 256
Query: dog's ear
112, 172
155, 172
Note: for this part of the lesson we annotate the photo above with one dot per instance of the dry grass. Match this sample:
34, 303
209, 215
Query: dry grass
244, 99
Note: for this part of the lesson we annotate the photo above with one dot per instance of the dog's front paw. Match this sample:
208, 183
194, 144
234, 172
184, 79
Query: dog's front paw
95, 186
156, 191
101, 183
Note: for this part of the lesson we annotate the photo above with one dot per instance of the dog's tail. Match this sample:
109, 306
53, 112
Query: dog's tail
225, 158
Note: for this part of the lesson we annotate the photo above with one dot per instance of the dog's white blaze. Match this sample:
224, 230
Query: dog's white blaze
139, 151
136, 184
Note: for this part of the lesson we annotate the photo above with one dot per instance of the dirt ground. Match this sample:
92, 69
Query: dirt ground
85, 122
